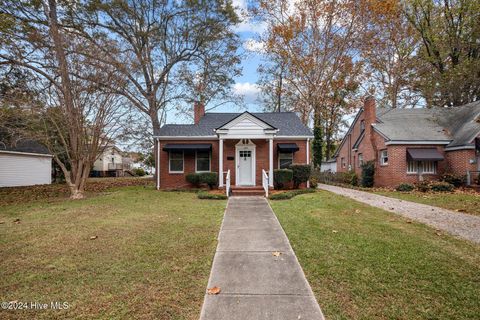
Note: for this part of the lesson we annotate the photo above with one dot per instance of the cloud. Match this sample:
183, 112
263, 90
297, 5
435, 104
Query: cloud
247, 24
253, 45
249, 91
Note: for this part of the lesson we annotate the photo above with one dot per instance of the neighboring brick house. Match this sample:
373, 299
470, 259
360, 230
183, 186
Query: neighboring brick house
241, 145
411, 145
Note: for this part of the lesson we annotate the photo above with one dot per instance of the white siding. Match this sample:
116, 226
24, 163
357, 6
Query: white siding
246, 128
328, 167
24, 170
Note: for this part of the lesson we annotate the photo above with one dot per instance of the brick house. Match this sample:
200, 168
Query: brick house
243, 147
412, 145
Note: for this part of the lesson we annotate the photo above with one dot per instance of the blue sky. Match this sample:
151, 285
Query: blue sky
245, 85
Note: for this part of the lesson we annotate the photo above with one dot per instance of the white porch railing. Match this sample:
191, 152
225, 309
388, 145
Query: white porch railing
265, 182
227, 184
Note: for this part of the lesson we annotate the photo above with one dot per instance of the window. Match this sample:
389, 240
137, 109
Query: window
342, 161
176, 161
362, 125
285, 159
426, 167
429, 167
202, 163
245, 154
360, 159
384, 157
412, 167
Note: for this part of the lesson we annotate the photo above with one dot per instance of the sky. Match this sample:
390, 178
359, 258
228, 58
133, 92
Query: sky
245, 85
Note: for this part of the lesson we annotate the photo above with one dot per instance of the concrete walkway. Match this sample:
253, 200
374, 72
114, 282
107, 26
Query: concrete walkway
255, 283
463, 225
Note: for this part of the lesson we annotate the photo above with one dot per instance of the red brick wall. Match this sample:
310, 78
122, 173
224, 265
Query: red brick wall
177, 180
458, 161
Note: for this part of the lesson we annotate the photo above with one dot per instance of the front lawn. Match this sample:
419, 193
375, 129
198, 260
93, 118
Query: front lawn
468, 202
365, 263
128, 253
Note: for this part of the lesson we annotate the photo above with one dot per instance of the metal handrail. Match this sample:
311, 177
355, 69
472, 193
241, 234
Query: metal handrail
265, 182
227, 183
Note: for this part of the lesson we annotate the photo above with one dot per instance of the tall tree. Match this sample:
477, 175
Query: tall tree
449, 31
148, 42
389, 50
74, 118
317, 40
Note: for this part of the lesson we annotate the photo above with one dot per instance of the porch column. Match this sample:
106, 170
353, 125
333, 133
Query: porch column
270, 162
220, 163
157, 164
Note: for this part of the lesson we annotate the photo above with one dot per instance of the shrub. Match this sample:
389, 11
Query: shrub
423, 186
301, 174
211, 196
193, 178
442, 187
209, 178
368, 173
405, 187
282, 177
139, 172
454, 179
354, 179
290, 194
313, 182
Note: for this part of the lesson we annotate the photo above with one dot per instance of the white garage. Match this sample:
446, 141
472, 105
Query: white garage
24, 168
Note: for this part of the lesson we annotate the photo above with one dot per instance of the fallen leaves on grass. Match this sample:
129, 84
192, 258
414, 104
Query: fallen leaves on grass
17, 221
214, 290
334, 231
93, 237
409, 221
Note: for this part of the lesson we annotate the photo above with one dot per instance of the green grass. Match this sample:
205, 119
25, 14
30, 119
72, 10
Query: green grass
151, 259
365, 263
458, 201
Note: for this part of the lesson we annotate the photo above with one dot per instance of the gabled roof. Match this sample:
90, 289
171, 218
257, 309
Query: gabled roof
456, 126
287, 123
246, 115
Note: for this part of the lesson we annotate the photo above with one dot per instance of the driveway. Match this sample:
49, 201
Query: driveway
462, 225
256, 269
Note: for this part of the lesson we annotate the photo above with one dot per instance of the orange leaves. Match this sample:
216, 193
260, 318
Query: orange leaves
214, 290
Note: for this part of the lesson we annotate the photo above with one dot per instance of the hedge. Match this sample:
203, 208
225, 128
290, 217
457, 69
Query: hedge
208, 178
282, 177
368, 173
301, 174
290, 194
211, 196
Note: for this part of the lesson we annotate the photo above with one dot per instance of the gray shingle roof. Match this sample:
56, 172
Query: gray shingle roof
456, 125
27, 146
287, 123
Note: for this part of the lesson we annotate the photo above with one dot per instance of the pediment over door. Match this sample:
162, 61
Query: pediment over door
246, 125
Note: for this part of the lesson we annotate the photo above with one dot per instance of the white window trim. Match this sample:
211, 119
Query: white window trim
382, 157
416, 167
358, 159
278, 160
422, 163
343, 163
209, 162
170, 163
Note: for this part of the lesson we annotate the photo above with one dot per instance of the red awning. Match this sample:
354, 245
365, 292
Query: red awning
421, 154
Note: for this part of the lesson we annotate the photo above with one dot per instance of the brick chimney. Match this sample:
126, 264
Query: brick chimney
370, 110
198, 111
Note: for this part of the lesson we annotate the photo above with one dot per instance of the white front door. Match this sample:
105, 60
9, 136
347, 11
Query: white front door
245, 167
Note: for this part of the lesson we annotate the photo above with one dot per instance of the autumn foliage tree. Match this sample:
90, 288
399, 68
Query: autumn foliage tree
316, 42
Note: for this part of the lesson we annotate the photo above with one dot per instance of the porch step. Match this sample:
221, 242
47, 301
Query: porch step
247, 191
